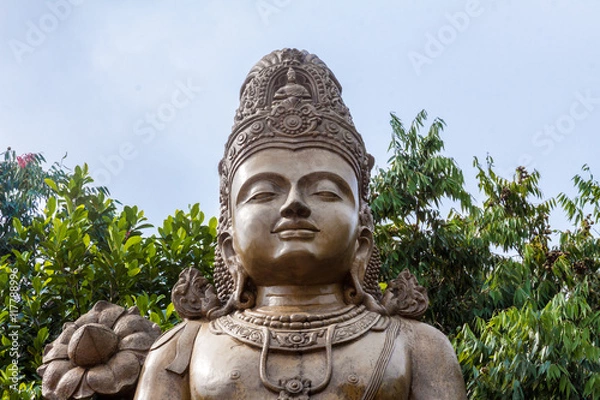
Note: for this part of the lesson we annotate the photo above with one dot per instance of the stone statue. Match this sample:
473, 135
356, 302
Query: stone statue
300, 313
296, 312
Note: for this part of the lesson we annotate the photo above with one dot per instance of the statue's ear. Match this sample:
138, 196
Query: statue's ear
355, 294
364, 250
227, 250
240, 298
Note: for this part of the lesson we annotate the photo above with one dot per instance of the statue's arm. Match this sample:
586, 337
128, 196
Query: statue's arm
158, 381
436, 373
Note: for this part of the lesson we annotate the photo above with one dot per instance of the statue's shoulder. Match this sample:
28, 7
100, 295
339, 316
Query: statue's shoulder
169, 336
435, 369
176, 345
165, 371
428, 344
420, 333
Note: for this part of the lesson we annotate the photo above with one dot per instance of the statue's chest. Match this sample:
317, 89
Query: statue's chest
223, 367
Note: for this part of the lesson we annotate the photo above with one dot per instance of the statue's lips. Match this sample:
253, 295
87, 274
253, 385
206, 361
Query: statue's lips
295, 230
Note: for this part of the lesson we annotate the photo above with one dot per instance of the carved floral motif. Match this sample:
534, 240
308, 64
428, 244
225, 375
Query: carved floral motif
296, 388
405, 297
193, 296
295, 339
100, 353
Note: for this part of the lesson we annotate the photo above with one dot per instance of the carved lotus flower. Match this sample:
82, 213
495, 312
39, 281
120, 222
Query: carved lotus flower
296, 388
100, 353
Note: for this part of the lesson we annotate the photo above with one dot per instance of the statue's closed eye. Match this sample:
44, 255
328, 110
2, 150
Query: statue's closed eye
326, 190
327, 195
261, 197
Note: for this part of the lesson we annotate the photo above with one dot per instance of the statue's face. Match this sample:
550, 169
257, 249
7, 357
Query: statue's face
295, 217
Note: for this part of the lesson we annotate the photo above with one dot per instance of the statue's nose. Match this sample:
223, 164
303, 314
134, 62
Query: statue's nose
295, 207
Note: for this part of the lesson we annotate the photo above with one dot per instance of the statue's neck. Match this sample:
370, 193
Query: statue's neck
305, 299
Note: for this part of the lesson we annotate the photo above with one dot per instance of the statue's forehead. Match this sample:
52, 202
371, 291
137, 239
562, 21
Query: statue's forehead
293, 165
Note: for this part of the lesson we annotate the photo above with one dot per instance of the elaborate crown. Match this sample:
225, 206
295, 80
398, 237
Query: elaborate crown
290, 99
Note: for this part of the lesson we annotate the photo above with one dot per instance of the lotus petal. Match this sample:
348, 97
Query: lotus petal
131, 323
109, 314
41, 370
68, 330
121, 371
103, 305
52, 373
84, 391
90, 317
92, 344
68, 383
54, 351
138, 341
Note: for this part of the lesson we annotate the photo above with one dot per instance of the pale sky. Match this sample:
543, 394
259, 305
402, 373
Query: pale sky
145, 91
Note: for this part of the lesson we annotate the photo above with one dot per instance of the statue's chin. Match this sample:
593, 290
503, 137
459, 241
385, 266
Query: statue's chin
298, 268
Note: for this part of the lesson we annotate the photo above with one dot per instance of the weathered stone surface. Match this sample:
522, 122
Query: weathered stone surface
99, 354
299, 313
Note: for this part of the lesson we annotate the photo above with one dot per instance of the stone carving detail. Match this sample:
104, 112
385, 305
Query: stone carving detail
405, 297
296, 94
305, 337
193, 296
351, 331
297, 340
371, 282
245, 333
106, 342
257, 92
296, 388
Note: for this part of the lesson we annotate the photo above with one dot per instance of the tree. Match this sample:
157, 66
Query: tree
523, 313
22, 191
446, 254
519, 300
77, 248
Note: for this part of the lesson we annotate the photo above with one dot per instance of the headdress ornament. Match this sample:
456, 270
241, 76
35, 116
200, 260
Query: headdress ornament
290, 99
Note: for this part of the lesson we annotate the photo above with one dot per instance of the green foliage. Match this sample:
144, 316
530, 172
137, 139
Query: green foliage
22, 191
446, 254
80, 249
587, 200
542, 340
520, 301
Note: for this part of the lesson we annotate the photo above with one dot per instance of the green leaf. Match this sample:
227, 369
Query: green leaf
52, 184
131, 241
51, 206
